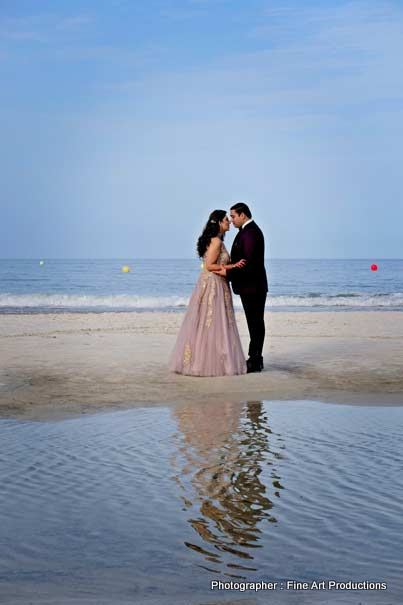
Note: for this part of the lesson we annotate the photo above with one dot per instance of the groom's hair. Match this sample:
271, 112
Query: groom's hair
241, 207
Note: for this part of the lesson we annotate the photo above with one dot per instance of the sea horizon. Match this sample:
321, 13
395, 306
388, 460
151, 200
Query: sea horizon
267, 258
151, 284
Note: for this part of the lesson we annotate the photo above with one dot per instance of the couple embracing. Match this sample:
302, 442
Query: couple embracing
208, 342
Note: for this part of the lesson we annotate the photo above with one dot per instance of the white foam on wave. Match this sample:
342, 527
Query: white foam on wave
348, 300
85, 301
130, 301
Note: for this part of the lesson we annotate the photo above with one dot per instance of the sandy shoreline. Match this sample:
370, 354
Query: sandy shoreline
54, 364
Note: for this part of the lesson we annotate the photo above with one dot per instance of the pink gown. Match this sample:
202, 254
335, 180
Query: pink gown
208, 342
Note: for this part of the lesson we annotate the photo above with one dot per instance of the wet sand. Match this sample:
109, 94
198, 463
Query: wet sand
54, 364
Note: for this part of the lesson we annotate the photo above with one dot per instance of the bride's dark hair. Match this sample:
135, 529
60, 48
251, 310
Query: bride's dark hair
211, 229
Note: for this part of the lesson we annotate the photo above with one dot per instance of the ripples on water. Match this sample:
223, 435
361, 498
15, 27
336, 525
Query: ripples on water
225, 453
150, 505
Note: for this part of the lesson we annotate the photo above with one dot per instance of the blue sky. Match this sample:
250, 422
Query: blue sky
124, 123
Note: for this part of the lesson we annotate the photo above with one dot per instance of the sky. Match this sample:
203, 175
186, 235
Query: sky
124, 123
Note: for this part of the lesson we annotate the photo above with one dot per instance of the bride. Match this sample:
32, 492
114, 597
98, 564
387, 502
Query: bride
208, 342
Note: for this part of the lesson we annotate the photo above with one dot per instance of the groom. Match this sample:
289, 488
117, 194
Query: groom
250, 281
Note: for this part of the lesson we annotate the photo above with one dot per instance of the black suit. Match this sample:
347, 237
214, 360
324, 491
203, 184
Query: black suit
250, 282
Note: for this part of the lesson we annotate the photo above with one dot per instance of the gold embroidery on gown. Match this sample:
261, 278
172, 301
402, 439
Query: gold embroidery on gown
228, 305
208, 342
211, 296
187, 355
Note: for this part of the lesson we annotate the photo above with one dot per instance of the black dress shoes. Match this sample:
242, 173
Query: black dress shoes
254, 364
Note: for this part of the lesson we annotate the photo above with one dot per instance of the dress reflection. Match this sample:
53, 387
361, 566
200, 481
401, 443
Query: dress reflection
224, 449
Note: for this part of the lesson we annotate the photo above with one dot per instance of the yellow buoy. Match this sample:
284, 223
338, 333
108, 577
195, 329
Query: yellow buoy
126, 269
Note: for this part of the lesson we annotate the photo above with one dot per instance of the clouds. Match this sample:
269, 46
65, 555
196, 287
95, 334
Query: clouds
41, 28
312, 61
295, 106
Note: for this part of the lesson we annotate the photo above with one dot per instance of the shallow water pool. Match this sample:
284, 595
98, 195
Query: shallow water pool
151, 505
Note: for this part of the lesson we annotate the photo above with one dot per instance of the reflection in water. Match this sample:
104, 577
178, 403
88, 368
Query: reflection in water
89, 512
224, 449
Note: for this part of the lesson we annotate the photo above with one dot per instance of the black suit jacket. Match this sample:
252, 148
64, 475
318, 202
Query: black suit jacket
248, 244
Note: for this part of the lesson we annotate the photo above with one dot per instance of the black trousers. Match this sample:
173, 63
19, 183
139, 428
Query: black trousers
253, 305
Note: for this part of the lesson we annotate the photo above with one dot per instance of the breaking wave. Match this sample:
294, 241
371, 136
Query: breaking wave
127, 302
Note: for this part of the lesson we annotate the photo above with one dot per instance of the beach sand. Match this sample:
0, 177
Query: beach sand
57, 364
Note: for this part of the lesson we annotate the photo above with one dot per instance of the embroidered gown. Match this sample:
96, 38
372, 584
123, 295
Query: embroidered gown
208, 342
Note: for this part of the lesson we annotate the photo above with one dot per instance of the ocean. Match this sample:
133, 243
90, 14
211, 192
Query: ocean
59, 286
